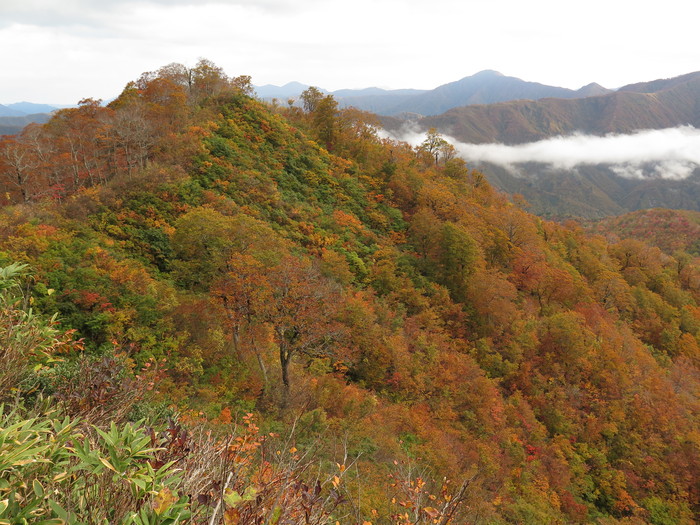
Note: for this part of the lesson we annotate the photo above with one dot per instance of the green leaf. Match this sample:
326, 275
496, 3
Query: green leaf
38, 489
58, 510
139, 483
250, 493
232, 498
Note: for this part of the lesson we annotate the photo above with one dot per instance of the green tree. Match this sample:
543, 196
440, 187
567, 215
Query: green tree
310, 98
459, 255
325, 119
437, 147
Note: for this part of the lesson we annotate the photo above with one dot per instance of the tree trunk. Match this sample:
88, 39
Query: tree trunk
285, 359
261, 364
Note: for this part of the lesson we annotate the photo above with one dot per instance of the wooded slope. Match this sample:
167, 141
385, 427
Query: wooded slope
402, 316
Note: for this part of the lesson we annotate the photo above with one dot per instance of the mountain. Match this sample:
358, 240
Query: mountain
289, 90
653, 105
592, 90
14, 117
587, 191
591, 191
673, 231
375, 100
368, 99
664, 84
485, 87
13, 125
7, 111
30, 108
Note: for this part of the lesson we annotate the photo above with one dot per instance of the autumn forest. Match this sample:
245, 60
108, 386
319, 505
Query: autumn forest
217, 309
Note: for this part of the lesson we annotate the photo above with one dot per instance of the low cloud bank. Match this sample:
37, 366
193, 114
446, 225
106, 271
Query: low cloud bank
671, 153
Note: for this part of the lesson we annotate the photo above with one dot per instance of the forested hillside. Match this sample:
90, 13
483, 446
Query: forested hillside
268, 314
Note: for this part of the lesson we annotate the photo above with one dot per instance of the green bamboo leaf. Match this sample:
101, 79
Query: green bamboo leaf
58, 510
38, 488
108, 465
139, 483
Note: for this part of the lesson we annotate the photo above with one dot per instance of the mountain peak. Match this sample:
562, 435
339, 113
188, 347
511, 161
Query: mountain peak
592, 90
488, 73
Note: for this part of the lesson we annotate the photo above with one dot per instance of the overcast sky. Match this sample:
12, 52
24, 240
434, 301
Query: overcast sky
60, 51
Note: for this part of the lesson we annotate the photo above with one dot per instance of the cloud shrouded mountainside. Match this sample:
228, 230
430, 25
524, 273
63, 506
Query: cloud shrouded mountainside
653, 105
592, 176
604, 155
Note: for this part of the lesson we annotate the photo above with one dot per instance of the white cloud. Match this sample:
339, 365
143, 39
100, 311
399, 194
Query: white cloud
335, 43
50, 13
671, 153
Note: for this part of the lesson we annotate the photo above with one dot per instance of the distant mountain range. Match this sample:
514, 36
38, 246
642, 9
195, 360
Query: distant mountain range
22, 109
14, 117
485, 87
650, 105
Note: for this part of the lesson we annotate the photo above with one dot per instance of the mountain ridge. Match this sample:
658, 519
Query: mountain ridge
484, 87
651, 105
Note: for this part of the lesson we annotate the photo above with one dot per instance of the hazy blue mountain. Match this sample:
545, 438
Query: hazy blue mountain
7, 111
485, 87
30, 108
375, 91
375, 100
663, 84
289, 90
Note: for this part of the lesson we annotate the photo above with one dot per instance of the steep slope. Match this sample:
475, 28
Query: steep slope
591, 191
392, 315
586, 191
663, 84
673, 231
